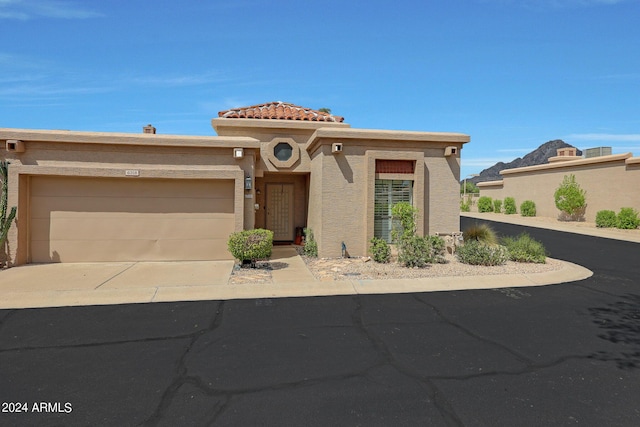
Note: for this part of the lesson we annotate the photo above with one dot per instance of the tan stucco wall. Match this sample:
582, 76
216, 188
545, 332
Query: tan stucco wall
93, 154
333, 192
610, 182
343, 186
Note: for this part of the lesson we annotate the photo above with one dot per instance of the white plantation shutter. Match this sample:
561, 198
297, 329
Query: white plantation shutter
387, 193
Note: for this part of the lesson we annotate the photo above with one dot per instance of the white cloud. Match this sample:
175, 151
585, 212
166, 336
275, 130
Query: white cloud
57, 9
605, 137
184, 80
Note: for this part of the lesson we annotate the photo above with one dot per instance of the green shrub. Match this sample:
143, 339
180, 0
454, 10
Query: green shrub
485, 204
497, 206
380, 250
606, 219
465, 206
478, 253
250, 246
417, 251
310, 245
438, 249
628, 219
509, 205
404, 221
414, 251
480, 233
471, 188
525, 249
570, 199
528, 208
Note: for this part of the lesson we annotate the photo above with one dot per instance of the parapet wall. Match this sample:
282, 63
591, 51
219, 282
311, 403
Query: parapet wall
610, 182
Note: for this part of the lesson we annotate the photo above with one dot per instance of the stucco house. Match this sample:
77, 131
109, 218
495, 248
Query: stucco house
94, 196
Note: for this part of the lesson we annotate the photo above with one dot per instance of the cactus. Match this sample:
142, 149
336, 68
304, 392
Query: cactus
5, 223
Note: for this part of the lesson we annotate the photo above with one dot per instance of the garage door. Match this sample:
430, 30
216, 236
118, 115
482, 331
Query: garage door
117, 219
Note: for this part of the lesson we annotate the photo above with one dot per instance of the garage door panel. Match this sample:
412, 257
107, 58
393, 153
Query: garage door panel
86, 219
45, 205
129, 228
110, 251
136, 187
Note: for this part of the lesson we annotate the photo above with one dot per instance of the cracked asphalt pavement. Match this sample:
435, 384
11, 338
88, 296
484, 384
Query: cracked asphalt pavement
565, 354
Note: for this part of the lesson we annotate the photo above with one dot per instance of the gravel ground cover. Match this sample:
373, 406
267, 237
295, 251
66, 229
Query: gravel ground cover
364, 268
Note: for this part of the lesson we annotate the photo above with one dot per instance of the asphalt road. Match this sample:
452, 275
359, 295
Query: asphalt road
556, 355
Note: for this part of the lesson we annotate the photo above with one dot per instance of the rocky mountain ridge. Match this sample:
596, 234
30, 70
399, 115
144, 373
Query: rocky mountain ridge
538, 156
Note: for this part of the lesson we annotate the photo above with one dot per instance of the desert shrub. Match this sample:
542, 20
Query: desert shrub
497, 205
509, 205
485, 204
570, 198
465, 205
414, 251
478, 253
480, 233
606, 219
528, 208
380, 250
524, 249
438, 249
250, 246
404, 221
310, 245
628, 219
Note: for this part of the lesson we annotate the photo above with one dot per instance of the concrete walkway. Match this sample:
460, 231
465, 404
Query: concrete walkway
55, 285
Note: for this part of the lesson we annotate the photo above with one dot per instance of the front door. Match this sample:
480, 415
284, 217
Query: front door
280, 211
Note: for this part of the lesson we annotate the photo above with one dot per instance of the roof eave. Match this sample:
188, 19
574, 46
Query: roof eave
116, 138
384, 135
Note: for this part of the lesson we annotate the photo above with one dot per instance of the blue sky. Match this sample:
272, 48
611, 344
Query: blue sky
511, 73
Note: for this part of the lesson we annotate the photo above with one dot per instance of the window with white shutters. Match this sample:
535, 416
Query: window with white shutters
387, 193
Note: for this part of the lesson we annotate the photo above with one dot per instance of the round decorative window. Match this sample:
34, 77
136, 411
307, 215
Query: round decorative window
283, 151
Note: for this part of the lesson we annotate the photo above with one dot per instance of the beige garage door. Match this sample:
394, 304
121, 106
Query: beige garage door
117, 219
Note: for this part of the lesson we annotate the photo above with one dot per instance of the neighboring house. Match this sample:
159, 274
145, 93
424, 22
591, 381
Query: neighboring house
610, 181
93, 196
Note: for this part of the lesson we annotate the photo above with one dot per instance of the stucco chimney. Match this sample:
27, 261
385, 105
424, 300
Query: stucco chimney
149, 129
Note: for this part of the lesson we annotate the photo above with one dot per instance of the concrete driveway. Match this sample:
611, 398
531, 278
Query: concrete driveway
50, 285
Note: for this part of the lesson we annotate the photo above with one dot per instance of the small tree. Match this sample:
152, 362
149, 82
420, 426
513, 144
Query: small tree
404, 221
570, 199
5, 222
470, 187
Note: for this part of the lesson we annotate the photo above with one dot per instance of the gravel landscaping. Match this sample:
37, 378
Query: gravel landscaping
364, 268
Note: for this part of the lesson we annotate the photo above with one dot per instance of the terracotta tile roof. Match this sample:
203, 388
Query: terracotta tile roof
279, 111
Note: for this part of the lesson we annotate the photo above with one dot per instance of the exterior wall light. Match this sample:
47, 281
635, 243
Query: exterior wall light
15, 145
238, 153
450, 151
247, 183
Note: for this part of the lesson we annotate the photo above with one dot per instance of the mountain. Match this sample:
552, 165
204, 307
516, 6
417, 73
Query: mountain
538, 156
